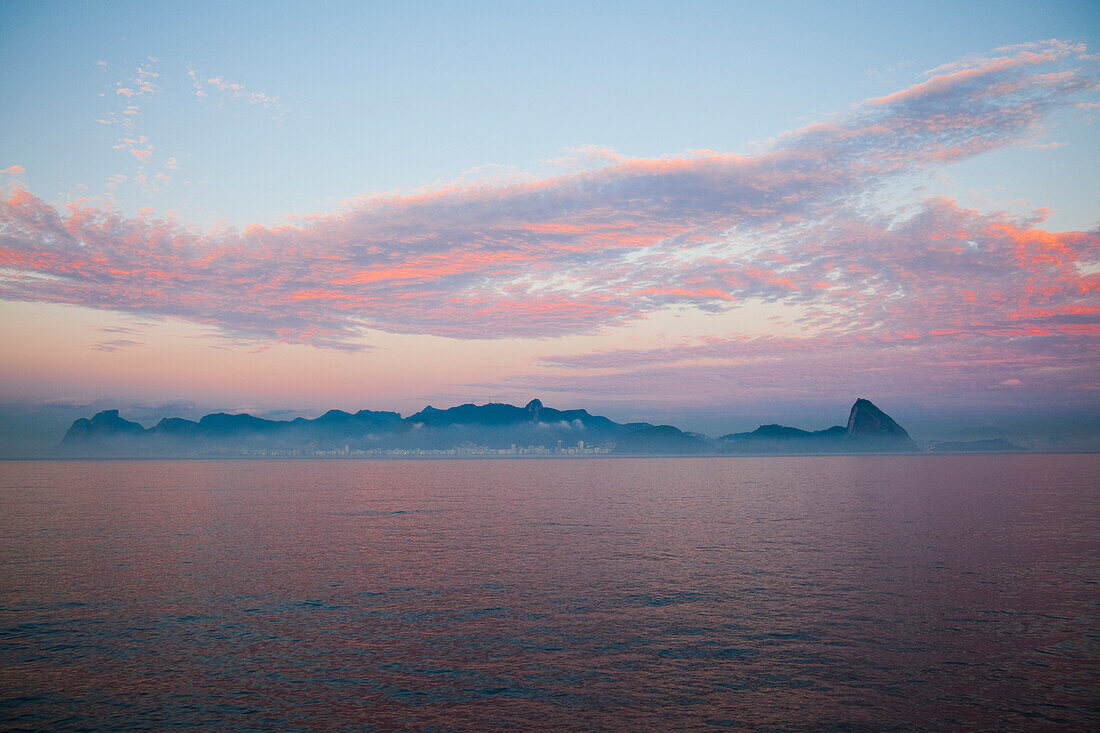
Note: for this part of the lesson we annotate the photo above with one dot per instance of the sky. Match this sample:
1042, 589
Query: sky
709, 214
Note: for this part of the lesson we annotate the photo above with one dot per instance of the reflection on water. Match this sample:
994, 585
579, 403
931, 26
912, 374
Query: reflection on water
873, 592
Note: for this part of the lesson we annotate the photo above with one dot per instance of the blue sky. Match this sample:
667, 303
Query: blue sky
389, 96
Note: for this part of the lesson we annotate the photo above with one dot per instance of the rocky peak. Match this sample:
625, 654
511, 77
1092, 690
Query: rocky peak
103, 424
867, 421
533, 408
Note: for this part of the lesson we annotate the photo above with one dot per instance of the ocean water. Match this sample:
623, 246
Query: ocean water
846, 592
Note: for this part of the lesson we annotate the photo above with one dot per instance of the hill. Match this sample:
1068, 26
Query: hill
469, 429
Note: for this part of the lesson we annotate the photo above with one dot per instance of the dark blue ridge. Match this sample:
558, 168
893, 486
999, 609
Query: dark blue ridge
467, 429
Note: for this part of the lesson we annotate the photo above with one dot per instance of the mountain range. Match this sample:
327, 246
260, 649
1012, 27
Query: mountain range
490, 429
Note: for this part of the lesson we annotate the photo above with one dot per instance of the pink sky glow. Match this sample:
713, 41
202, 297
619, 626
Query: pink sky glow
572, 277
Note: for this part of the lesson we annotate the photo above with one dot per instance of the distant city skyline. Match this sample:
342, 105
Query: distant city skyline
707, 214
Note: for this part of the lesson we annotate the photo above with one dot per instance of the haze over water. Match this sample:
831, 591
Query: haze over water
876, 592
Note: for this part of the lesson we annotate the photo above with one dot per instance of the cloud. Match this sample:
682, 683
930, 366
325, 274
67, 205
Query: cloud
138, 147
14, 170
115, 345
141, 84
604, 246
587, 156
220, 89
200, 93
127, 115
946, 365
237, 91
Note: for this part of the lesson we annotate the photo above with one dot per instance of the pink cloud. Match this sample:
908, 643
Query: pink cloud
237, 91
587, 156
599, 247
943, 369
226, 89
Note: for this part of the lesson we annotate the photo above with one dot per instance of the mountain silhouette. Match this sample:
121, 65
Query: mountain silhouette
104, 425
869, 430
465, 429
867, 422
990, 445
498, 415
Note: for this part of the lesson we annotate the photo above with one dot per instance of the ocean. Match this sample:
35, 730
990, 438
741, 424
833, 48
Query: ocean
773, 593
